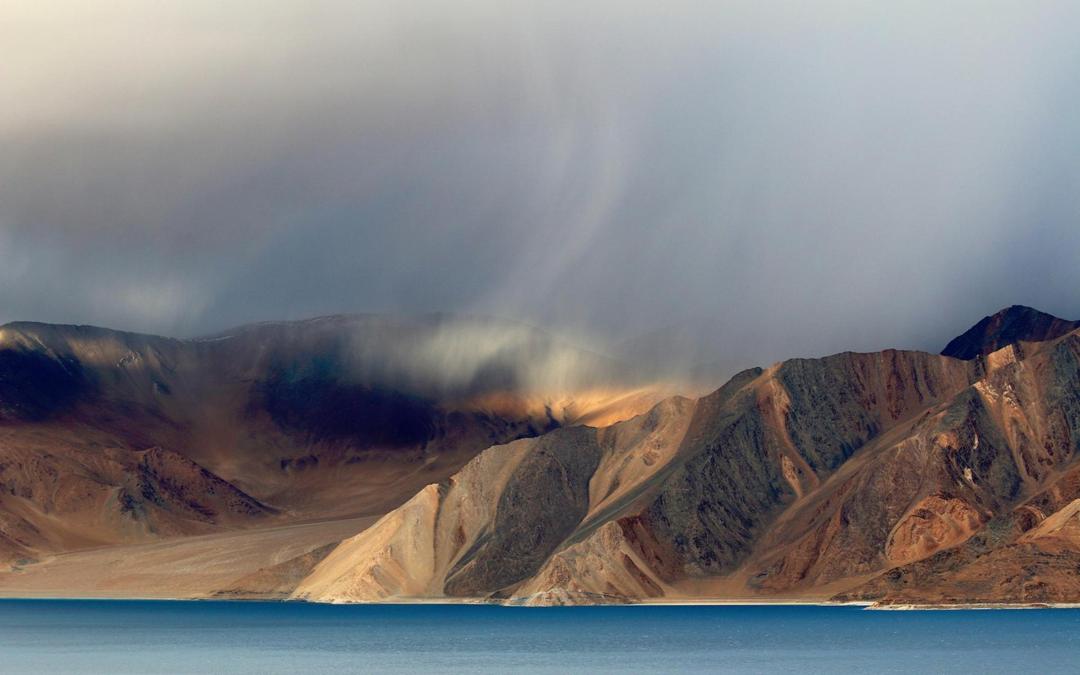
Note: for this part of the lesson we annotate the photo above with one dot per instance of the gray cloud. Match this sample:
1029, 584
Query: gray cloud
774, 179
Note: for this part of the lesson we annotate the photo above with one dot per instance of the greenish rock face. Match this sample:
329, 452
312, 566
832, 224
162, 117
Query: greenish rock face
1063, 392
711, 507
544, 501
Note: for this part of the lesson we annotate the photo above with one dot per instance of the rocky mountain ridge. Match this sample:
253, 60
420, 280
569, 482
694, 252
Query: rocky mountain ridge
856, 476
895, 477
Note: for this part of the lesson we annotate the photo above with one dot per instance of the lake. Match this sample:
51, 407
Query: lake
77, 636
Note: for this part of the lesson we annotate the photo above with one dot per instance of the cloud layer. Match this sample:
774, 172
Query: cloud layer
775, 179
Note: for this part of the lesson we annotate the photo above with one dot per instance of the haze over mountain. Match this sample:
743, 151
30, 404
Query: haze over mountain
110, 437
894, 476
788, 180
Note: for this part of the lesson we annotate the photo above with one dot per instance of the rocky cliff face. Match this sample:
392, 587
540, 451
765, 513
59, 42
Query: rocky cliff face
899, 476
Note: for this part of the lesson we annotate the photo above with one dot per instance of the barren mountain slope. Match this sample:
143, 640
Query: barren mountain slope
893, 476
496, 522
110, 437
803, 480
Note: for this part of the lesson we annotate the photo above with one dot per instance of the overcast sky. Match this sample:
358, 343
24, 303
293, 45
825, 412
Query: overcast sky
798, 177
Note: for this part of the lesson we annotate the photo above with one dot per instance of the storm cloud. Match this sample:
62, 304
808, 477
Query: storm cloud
746, 181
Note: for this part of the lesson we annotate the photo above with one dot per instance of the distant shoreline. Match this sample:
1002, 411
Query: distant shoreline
402, 602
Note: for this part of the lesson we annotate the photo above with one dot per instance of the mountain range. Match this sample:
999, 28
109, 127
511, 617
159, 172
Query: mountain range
438, 458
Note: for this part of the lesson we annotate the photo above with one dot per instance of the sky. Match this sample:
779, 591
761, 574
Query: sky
771, 178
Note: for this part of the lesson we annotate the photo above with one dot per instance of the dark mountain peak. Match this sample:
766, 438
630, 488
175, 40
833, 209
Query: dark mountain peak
1006, 327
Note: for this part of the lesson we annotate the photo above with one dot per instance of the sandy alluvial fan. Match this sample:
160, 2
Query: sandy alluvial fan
535, 473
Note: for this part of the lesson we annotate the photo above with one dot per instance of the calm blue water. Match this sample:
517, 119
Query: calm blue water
62, 636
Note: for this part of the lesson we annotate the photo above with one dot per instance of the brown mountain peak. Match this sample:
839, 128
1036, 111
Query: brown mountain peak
1008, 326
